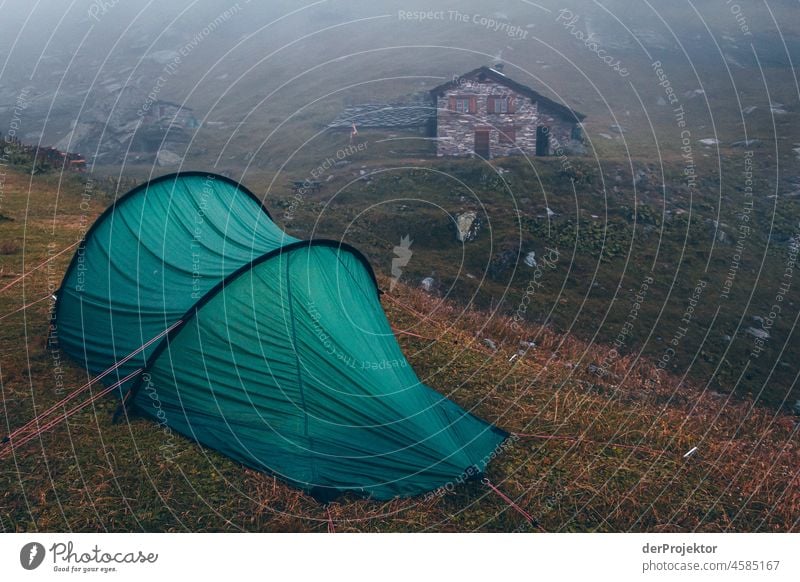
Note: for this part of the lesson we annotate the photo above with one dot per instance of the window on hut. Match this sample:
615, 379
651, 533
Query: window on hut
463, 104
500, 104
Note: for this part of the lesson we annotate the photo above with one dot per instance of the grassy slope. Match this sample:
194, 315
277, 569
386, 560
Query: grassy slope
612, 459
611, 232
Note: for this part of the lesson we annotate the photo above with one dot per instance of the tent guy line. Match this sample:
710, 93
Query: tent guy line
39, 266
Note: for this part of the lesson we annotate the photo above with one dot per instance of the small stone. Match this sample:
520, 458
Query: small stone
744, 143
466, 226
167, 158
758, 333
530, 259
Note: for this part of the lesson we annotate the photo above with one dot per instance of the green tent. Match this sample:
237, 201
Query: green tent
278, 353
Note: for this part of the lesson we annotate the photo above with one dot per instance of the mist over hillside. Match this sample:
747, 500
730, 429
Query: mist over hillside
264, 80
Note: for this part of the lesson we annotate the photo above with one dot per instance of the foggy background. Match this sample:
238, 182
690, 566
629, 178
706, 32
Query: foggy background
263, 80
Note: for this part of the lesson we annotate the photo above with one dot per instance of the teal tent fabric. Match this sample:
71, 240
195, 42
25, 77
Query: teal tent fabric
280, 357
152, 256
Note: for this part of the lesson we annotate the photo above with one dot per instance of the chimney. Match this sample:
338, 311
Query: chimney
498, 67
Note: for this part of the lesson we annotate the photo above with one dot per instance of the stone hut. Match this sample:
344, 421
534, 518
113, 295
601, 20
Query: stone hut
484, 113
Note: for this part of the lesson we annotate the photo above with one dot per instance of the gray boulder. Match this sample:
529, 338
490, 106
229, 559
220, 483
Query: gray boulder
467, 225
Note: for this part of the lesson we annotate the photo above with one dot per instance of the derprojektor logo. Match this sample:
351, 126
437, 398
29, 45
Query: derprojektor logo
31, 555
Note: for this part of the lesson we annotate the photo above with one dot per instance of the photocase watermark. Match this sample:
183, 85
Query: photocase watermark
12, 134
95, 560
199, 221
512, 31
314, 176
52, 336
171, 67
548, 260
100, 8
421, 15
332, 348
736, 10
665, 83
168, 449
67, 559
83, 228
31, 555
402, 255
54, 275
744, 227
768, 321
687, 154
3, 164
557, 149
682, 330
550, 503
621, 339
471, 473
15, 123
569, 20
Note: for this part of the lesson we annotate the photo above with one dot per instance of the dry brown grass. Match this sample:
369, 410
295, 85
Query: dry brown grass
606, 455
613, 444
9, 247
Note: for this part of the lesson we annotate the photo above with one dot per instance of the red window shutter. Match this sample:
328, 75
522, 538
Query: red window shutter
490, 104
473, 104
511, 105
508, 134
452, 103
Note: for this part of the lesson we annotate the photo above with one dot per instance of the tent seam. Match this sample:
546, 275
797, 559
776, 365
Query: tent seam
300, 382
229, 279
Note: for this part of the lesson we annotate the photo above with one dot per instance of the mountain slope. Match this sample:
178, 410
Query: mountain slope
605, 448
